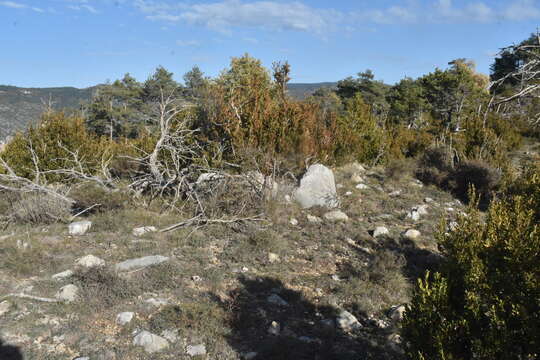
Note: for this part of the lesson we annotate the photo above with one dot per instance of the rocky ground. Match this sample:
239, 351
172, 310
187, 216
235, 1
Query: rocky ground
313, 283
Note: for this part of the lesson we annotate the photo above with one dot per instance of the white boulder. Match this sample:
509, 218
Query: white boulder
317, 188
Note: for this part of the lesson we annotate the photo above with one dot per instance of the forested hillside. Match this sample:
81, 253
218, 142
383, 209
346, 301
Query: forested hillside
20, 107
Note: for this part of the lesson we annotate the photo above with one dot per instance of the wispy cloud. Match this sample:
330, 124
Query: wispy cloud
226, 15
84, 7
18, 5
522, 10
187, 43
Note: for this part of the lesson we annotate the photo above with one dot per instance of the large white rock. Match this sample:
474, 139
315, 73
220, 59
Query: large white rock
89, 261
150, 342
138, 263
317, 188
68, 293
79, 227
143, 230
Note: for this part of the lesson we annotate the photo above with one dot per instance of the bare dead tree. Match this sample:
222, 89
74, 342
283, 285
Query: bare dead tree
526, 76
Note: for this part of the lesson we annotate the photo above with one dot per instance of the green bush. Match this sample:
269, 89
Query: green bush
485, 302
481, 175
435, 166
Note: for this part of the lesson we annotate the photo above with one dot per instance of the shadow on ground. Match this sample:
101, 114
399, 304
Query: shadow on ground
9, 352
305, 332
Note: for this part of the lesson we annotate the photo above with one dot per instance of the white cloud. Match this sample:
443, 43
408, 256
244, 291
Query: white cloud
13, 5
17, 5
227, 14
476, 12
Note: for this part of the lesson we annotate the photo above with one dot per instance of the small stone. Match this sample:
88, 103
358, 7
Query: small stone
362, 187
335, 277
356, 178
413, 215
142, 262
196, 350
366, 250
170, 334
124, 318
150, 342
62, 275
350, 241
89, 261
397, 312
23, 245
395, 193
274, 328
196, 278
4, 307
380, 231
412, 234
273, 258
67, 293
250, 355
336, 215
428, 200
82, 358
244, 269
143, 230
313, 219
307, 339
293, 222
348, 193
157, 302
79, 227
347, 321
421, 209
416, 183
328, 323
319, 292
449, 209
381, 324
277, 300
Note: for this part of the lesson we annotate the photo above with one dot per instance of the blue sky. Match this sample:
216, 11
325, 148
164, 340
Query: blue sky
84, 42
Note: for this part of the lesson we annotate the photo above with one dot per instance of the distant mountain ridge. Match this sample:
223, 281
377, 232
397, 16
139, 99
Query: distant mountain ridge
20, 107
